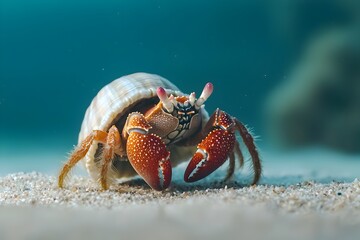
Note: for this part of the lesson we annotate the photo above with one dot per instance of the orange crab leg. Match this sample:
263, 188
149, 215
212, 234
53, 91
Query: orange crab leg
214, 150
147, 153
79, 153
113, 140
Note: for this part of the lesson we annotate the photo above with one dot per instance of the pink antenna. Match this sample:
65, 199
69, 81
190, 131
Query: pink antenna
207, 91
164, 99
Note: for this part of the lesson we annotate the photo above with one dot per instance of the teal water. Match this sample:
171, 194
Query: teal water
56, 55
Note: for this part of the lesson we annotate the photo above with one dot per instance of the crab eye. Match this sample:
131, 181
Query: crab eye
181, 113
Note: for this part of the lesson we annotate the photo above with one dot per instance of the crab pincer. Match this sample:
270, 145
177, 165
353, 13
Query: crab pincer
214, 149
147, 153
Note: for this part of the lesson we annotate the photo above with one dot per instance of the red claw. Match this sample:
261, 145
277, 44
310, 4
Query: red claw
150, 159
148, 154
211, 154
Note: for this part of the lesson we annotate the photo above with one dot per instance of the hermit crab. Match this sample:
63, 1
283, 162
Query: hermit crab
143, 124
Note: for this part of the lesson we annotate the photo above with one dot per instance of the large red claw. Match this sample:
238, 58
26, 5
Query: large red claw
211, 154
150, 159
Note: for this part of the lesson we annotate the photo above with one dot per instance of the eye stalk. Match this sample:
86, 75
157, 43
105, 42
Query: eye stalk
167, 104
207, 91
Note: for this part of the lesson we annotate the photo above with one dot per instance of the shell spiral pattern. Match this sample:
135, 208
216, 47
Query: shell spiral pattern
121, 93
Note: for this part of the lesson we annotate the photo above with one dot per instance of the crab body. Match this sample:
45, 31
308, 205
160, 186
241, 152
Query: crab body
143, 124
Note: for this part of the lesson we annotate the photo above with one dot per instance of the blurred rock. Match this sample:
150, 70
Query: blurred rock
319, 104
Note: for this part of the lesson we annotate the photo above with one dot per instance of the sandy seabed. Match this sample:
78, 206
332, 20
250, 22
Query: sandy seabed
33, 207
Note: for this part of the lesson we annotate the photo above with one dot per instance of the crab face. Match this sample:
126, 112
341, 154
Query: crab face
176, 118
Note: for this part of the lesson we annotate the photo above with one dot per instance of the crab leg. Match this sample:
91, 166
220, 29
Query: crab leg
231, 168
214, 149
250, 144
79, 153
147, 153
237, 150
113, 140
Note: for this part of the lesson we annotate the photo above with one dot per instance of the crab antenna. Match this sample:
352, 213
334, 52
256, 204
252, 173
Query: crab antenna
192, 99
208, 89
164, 99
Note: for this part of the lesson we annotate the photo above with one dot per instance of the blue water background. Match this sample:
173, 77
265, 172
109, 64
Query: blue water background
56, 55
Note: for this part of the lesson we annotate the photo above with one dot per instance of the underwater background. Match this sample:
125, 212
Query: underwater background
288, 69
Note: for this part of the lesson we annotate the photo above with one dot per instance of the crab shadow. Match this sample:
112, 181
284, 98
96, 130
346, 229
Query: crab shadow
236, 183
178, 186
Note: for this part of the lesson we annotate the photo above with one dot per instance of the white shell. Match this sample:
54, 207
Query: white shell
109, 105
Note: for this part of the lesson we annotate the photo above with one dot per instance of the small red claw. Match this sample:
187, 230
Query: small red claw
211, 154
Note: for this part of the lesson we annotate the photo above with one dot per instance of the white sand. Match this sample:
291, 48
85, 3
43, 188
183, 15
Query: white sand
32, 207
